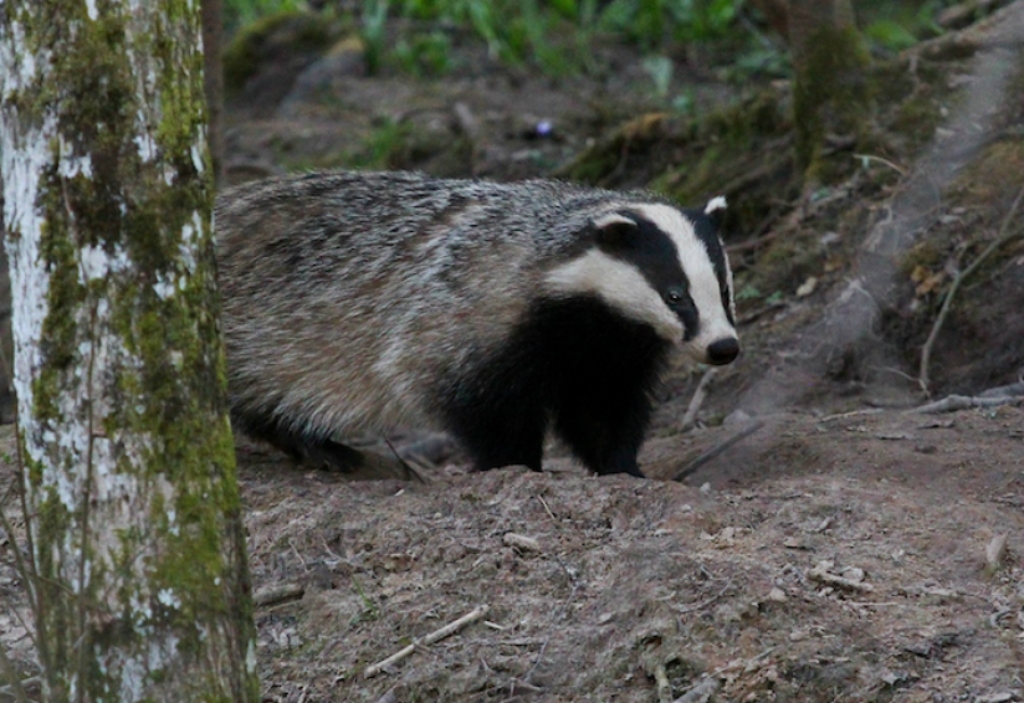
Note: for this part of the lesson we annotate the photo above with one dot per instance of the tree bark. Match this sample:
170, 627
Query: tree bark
213, 82
141, 588
831, 95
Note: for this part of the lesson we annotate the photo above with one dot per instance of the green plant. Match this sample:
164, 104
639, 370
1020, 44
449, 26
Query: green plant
701, 21
424, 54
660, 69
890, 34
748, 292
558, 36
375, 14
370, 609
684, 103
238, 13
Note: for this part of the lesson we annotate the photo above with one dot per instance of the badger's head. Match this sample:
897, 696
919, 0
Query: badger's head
661, 266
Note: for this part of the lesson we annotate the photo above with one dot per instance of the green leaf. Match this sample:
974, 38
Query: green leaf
890, 34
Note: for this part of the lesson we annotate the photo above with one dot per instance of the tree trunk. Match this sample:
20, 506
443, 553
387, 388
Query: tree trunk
213, 76
141, 588
831, 96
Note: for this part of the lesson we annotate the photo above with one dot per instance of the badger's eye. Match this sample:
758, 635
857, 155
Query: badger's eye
674, 297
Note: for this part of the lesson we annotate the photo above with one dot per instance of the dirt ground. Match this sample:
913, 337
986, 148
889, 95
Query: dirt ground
725, 576
848, 549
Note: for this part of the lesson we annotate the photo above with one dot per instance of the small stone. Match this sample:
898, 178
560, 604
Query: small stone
807, 287
521, 542
995, 550
853, 574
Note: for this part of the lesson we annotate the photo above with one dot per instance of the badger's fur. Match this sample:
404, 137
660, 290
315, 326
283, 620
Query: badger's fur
362, 303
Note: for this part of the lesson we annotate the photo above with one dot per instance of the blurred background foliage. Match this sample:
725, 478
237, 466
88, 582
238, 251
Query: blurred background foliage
559, 36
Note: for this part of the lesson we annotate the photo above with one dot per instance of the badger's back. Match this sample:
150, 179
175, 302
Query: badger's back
346, 296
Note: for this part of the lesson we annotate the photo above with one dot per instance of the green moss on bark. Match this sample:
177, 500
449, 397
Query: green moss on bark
832, 95
144, 312
275, 37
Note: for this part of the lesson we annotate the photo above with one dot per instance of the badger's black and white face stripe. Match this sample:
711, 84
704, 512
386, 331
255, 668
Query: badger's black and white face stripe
664, 267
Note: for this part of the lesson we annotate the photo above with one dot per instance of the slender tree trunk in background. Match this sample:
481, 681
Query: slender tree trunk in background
831, 94
776, 14
213, 77
141, 588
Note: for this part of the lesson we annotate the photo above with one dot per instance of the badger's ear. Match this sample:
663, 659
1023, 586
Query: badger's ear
715, 210
613, 229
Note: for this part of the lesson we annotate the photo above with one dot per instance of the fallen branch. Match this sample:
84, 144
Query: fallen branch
829, 579
852, 413
1010, 391
1005, 235
759, 312
435, 636
715, 451
702, 692
885, 162
963, 402
277, 593
409, 470
690, 417
752, 243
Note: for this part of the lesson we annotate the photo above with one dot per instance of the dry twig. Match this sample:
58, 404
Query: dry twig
760, 312
690, 418
1005, 234
871, 157
435, 636
963, 402
715, 451
409, 470
829, 579
852, 413
702, 692
277, 593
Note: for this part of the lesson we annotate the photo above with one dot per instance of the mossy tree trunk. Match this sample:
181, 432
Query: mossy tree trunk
141, 588
213, 75
831, 94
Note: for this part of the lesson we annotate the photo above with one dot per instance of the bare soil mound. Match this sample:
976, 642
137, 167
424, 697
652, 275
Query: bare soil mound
824, 559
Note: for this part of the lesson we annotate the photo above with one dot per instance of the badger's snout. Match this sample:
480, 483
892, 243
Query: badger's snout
723, 351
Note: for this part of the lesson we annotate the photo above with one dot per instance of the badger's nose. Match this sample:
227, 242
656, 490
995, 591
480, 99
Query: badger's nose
723, 351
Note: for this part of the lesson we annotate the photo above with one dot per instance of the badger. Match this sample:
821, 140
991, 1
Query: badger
358, 303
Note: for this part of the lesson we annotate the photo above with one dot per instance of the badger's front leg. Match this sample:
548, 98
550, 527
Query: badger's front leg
498, 422
605, 433
495, 439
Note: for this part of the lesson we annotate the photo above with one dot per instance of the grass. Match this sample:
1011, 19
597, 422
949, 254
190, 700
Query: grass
557, 36
554, 35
